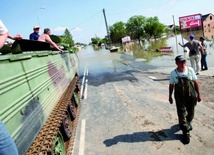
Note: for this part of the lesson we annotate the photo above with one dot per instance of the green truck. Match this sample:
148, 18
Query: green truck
40, 96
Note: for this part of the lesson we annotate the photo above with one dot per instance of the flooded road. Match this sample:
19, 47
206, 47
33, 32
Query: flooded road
102, 61
125, 108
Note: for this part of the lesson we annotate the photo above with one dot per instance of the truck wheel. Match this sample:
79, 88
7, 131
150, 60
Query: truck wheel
76, 98
58, 147
66, 127
72, 109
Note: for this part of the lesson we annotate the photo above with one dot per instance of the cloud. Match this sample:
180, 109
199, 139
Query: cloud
58, 30
76, 29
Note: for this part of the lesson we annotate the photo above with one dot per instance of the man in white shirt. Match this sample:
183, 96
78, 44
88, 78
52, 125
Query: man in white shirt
184, 81
4, 35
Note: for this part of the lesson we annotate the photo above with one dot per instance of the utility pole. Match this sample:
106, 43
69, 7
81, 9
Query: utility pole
175, 33
108, 34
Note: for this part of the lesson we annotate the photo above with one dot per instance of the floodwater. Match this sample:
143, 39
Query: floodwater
99, 61
165, 60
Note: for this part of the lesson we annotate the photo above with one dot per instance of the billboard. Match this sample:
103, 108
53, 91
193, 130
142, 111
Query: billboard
190, 21
126, 39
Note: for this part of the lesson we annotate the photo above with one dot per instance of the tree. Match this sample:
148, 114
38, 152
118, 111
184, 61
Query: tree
135, 27
153, 27
104, 40
117, 31
95, 41
67, 38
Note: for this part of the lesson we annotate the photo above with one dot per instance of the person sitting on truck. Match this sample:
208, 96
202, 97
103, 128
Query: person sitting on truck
35, 34
4, 35
46, 38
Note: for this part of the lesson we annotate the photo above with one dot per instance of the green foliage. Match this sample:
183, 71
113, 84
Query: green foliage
74, 49
104, 40
153, 27
117, 31
177, 28
95, 41
135, 27
80, 44
67, 38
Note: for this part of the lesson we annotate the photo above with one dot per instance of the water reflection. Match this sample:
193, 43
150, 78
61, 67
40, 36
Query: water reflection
150, 54
197, 34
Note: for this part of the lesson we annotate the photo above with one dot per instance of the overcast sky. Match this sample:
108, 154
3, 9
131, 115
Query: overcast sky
84, 18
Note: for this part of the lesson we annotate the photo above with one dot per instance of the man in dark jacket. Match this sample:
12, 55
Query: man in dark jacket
35, 34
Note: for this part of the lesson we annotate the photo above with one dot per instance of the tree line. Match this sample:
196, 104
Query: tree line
137, 27
67, 40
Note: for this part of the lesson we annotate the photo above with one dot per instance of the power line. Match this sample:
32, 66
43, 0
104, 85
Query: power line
88, 18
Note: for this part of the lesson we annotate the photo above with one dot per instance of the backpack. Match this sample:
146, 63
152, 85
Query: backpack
185, 86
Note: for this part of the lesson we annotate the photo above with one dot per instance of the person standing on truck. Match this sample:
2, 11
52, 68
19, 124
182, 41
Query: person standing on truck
194, 53
184, 81
46, 38
7, 145
4, 35
35, 34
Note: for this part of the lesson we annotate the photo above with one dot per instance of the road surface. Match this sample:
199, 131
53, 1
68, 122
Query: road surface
125, 111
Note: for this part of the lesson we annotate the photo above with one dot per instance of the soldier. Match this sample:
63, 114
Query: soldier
184, 81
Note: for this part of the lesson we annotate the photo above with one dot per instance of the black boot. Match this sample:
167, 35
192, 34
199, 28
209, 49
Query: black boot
186, 137
190, 126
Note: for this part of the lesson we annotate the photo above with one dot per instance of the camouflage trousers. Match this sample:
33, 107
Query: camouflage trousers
185, 109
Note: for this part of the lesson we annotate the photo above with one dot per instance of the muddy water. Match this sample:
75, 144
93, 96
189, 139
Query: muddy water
99, 61
153, 58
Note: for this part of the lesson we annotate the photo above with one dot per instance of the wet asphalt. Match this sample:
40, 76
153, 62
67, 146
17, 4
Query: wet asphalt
125, 109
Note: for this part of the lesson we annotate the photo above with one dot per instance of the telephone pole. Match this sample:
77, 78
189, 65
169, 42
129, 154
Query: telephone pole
175, 33
108, 34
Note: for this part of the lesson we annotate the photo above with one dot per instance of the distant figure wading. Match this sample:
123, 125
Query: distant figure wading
46, 38
194, 53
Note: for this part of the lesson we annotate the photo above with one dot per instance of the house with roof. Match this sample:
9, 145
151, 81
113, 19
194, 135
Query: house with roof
208, 26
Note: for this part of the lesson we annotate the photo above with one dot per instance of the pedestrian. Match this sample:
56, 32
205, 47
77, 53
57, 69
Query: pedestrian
183, 81
203, 56
45, 37
7, 145
194, 54
35, 34
4, 35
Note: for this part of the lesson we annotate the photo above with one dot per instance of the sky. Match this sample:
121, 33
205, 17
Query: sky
84, 18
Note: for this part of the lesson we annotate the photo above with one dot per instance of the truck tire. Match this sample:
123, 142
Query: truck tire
72, 109
66, 127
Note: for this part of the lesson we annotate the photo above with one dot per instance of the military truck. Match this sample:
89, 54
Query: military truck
39, 97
